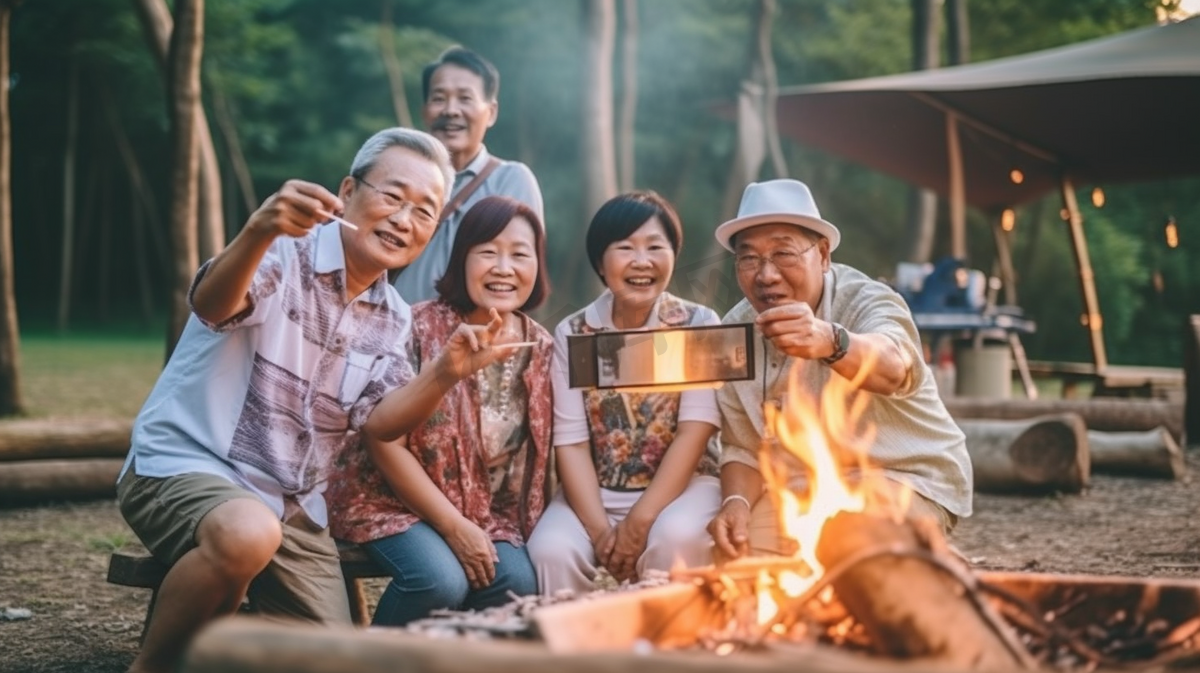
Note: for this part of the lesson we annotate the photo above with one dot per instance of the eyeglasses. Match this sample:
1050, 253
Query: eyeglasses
782, 259
423, 215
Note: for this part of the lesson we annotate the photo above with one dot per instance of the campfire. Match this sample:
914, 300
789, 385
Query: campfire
865, 577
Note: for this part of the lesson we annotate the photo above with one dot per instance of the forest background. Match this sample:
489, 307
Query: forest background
292, 87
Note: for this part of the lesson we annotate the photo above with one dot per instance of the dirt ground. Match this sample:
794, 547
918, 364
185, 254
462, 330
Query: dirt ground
53, 561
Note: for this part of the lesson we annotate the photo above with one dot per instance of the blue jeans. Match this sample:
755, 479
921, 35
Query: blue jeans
426, 576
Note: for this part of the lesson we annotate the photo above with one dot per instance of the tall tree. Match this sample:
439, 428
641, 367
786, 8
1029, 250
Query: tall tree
922, 203
10, 347
183, 100
770, 84
157, 22
958, 34
70, 153
599, 160
629, 88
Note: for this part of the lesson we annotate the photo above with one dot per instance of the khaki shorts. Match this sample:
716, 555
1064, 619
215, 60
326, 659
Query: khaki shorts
303, 580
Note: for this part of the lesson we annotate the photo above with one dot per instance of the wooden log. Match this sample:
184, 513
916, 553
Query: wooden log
50, 439
1144, 454
253, 645
1036, 455
1113, 415
662, 615
909, 607
33, 481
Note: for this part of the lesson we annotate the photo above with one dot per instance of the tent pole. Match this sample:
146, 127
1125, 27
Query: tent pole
958, 195
1091, 318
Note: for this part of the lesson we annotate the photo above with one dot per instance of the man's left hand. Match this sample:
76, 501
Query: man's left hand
796, 331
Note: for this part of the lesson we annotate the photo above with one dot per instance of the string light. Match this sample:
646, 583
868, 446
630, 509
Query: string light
1008, 219
1172, 233
1016, 176
1098, 197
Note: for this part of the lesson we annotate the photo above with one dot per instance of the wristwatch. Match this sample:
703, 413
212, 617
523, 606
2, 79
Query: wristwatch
841, 344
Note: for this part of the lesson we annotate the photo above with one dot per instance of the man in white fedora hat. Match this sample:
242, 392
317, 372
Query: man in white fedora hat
820, 320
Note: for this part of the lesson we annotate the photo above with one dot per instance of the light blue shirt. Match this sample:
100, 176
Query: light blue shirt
268, 398
511, 178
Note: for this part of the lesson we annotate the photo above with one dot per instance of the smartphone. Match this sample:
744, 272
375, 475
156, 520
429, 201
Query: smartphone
679, 358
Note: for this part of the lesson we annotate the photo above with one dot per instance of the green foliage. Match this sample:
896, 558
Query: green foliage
305, 83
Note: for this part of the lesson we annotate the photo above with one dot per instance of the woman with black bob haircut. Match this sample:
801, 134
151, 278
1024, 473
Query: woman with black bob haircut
448, 509
638, 480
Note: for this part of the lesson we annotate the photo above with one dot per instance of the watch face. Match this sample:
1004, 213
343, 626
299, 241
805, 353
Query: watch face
843, 338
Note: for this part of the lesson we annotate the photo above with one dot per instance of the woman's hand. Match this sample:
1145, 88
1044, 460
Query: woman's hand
474, 550
628, 545
473, 347
730, 529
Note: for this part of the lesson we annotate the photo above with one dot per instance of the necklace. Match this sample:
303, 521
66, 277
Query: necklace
483, 379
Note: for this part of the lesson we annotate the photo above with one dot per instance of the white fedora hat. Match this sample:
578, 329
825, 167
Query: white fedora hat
778, 202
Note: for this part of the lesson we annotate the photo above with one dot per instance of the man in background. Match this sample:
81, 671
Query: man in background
460, 91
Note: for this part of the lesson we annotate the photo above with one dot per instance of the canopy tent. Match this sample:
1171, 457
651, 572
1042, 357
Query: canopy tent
1002, 132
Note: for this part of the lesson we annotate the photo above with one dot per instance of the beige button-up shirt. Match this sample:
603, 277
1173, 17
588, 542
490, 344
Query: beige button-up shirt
916, 442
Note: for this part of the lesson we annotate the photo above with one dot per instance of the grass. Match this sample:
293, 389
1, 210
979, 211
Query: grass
94, 375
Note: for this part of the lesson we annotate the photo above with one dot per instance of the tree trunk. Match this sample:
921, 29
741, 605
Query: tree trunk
187, 44
28, 482
958, 32
67, 257
1142, 454
237, 159
145, 202
104, 248
1098, 414
391, 65
766, 60
158, 24
599, 161
629, 94
922, 203
1036, 455
140, 253
10, 335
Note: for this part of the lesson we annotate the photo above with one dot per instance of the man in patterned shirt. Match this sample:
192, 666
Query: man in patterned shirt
295, 338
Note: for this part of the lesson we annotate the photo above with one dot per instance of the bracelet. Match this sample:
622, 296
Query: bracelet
735, 496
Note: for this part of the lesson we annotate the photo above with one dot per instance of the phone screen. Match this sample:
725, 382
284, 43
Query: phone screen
685, 356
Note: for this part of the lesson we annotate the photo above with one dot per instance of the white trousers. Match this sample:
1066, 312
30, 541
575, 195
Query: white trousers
562, 552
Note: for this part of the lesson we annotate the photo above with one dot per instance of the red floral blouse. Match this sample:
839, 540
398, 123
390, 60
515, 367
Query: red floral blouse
450, 447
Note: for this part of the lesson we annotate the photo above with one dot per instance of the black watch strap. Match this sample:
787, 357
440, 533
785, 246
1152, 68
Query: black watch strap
841, 344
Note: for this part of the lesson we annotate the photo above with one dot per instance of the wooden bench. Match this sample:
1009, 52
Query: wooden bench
141, 570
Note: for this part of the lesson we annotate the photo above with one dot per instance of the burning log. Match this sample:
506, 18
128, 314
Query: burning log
910, 606
1145, 454
1043, 454
44, 440
1112, 415
32, 481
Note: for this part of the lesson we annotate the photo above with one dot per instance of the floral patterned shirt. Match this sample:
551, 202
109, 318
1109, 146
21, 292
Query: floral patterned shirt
450, 446
629, 432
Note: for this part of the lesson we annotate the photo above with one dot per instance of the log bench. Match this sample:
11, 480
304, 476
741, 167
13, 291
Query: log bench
137, 569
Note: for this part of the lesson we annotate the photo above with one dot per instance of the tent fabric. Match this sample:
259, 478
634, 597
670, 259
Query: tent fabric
1115, 109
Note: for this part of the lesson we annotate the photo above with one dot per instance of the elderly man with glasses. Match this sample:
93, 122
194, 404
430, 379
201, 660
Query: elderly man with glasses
819, 320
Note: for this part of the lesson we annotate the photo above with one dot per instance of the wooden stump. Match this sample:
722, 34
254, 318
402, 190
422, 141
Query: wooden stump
1037, 455
909, 607
32, 481
1143, 454
51, 439
1112, 415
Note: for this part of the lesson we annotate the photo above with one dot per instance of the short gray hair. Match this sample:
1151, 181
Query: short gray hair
418, 141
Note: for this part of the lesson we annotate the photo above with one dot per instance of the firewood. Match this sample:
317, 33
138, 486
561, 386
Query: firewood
1112, 415
1152, 453
909, 607
1036, 455
32, 481
50, 439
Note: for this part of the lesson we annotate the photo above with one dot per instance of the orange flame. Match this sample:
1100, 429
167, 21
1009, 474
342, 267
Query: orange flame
827, 435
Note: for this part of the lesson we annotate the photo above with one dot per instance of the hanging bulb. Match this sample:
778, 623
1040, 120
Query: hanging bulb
1098, 197
1016, 176
1008, 219
1172, 233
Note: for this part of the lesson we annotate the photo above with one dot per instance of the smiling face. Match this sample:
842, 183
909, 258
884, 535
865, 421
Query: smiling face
458, 113
766, 284
395, 205
501, 273
638, 269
